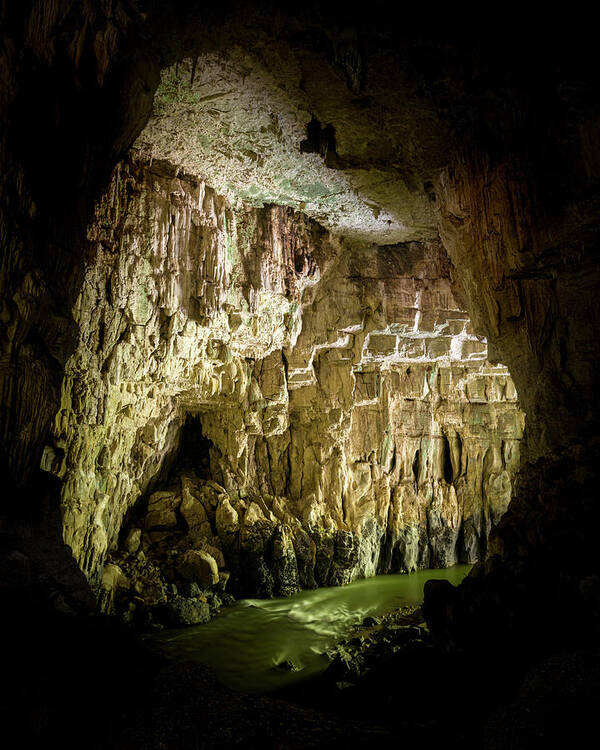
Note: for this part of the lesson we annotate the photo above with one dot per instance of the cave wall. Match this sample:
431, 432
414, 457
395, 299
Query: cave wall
164, 328
530, 253
58, 78
348, 403
530, 280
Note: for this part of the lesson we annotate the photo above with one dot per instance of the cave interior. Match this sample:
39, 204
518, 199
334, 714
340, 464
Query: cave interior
293, 297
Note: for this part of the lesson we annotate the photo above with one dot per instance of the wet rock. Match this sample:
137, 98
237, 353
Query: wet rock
288, 666
370, 621
375, 642
181, 610
285, 566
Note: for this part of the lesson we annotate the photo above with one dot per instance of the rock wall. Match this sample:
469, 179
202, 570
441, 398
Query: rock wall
350, 423
57, 150
164, 328
497, 230
531, 279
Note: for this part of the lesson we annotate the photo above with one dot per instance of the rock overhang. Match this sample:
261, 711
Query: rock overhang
273, 125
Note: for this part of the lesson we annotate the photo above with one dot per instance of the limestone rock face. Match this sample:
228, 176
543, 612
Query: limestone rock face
335, 409
531, 285
243, 125
173, 312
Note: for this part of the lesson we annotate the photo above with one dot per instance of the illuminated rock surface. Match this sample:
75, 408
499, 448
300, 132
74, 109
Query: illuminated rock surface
342, 417
244, 123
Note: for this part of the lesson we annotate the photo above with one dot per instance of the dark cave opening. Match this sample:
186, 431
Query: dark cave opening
416, 466
194, 448
448, 467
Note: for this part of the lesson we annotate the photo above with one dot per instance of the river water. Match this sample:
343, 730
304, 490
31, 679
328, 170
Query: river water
249, 643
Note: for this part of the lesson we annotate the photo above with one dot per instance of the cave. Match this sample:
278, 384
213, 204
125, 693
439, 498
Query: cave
194, 448
294, 299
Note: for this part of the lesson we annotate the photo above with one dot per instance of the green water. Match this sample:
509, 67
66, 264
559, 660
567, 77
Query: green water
247, 641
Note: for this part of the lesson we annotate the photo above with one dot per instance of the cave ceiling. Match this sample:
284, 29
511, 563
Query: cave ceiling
325, 128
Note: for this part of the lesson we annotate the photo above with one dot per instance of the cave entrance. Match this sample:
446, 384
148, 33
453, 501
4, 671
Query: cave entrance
313, 394
194, 448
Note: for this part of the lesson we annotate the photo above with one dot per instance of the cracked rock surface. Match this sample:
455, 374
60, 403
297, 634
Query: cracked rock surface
339, 413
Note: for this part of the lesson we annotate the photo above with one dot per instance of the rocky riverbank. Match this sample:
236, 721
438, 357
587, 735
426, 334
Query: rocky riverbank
372, 642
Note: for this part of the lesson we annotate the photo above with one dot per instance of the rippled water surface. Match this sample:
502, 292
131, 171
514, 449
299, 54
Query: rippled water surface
249, 643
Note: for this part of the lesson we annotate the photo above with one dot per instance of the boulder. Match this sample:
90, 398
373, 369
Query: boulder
214, 552
227, 519
162, 507
196, 518
112, 582
133, 540
182, 610
199, 567
113, 578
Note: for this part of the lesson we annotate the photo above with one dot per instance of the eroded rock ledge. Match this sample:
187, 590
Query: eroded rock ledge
344, 420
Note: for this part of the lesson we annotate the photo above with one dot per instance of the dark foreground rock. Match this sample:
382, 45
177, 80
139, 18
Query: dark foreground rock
187, 708
391, 670
74, 682
84, 681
